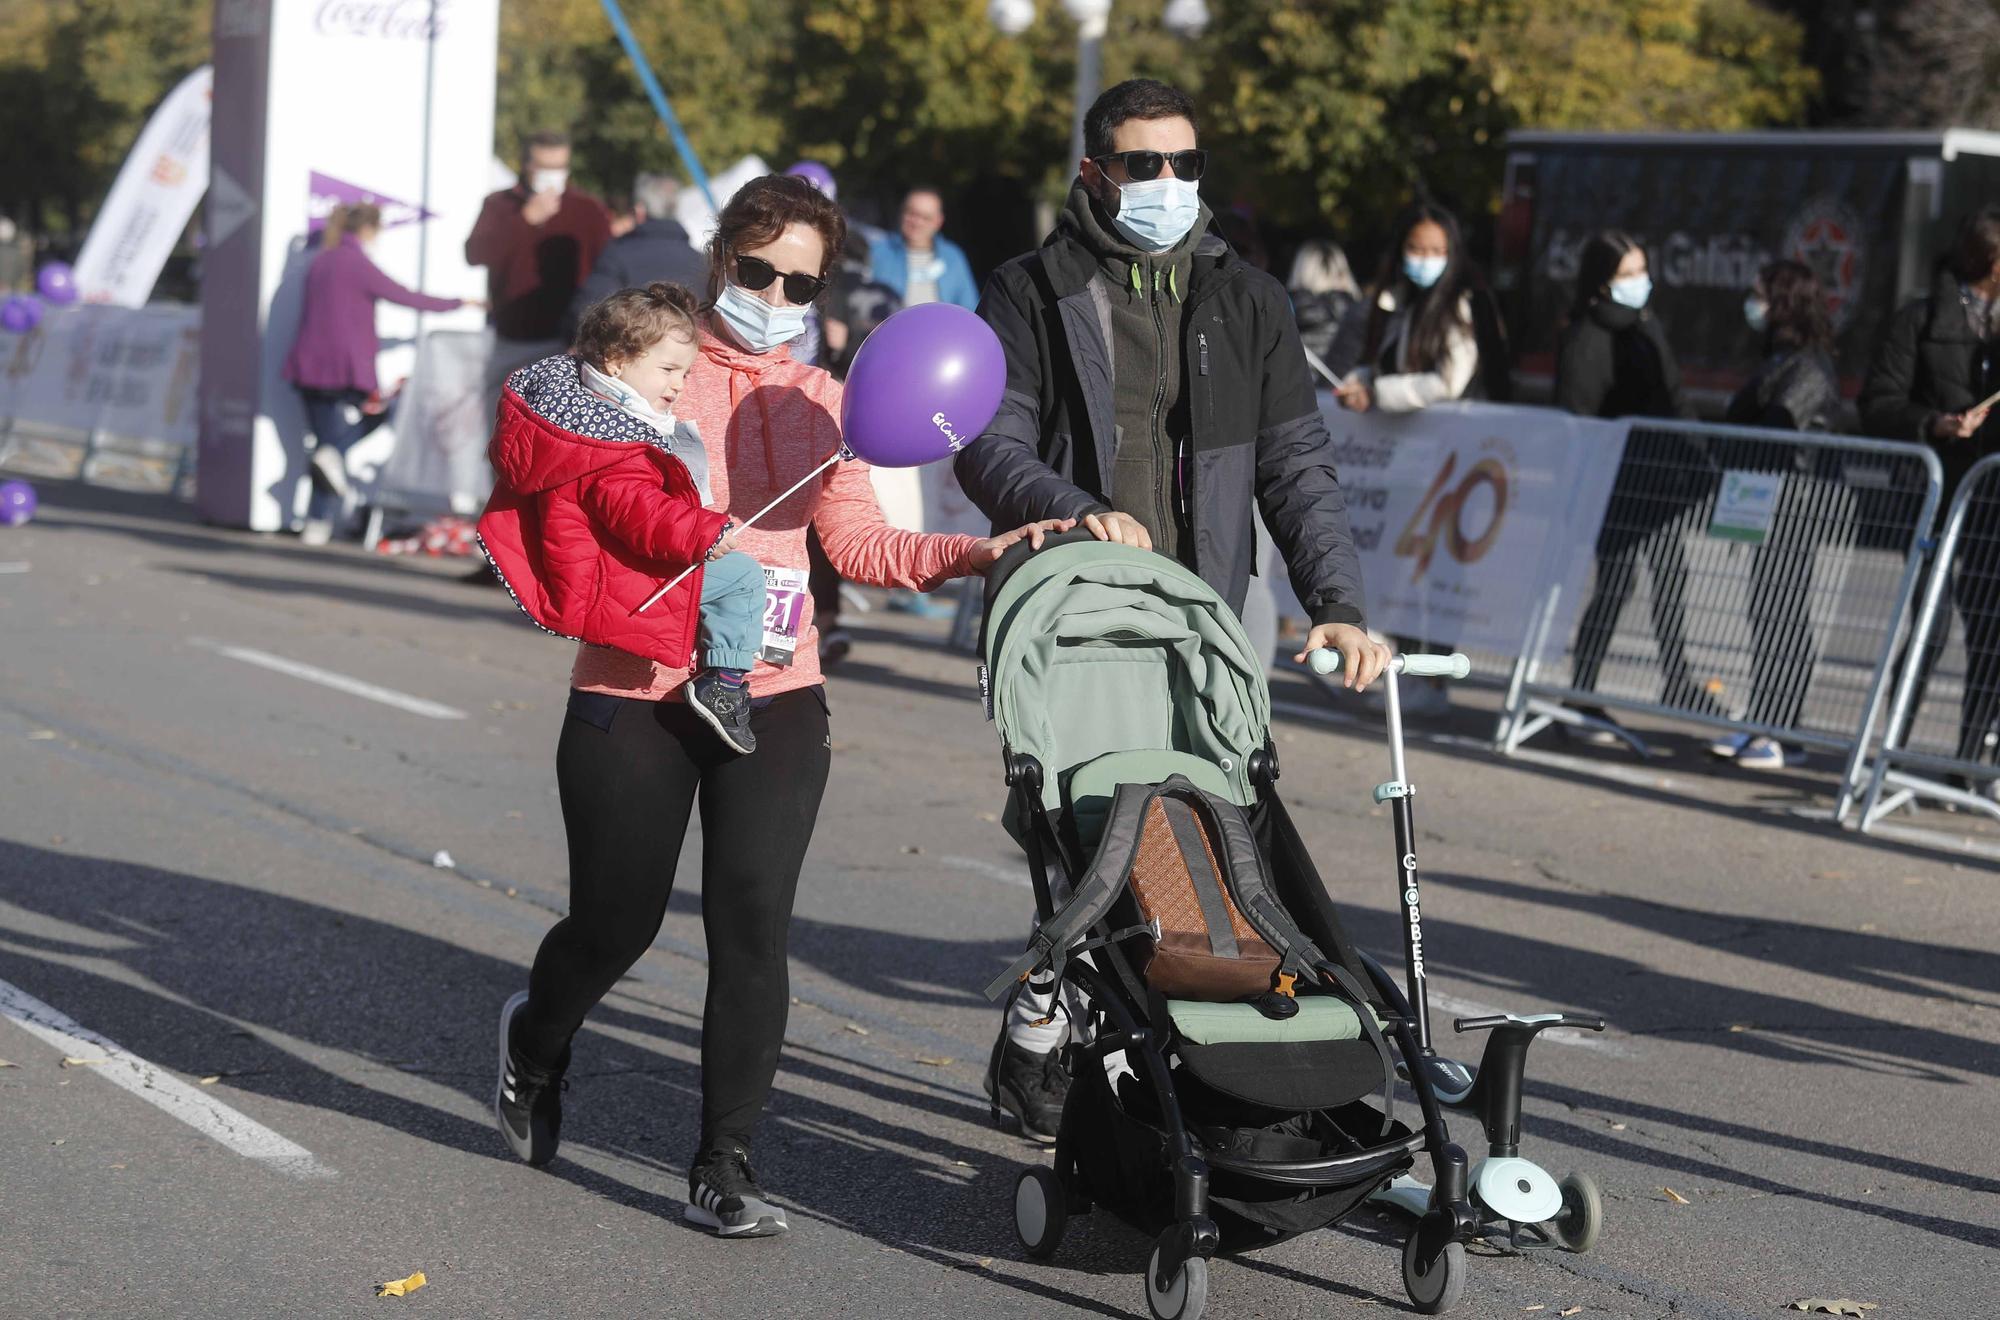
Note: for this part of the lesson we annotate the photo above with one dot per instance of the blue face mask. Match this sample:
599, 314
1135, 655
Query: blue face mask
1423, 271
1757, 312
756, 324
1633, 291
1157, 214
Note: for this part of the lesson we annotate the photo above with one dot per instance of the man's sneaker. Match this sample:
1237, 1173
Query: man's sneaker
1030, 1086
1595, 735
723, 1197
528, 1100
724, 707
834, 644
1754, 752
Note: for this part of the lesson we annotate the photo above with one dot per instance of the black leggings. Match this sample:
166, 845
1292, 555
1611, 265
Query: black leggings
629, 772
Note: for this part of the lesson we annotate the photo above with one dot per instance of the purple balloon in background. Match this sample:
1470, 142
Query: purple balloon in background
923, 386
20, 314
17, 503
816, 174
57, 282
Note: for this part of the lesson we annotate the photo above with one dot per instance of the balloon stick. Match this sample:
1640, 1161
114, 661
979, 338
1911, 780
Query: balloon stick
682, 575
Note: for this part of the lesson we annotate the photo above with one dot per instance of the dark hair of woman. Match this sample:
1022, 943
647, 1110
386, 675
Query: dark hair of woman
1435, 310
1976, 249
1795, 307
764, 208
1597, 265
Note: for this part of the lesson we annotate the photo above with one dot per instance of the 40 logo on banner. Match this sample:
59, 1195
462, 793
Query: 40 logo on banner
1464, 514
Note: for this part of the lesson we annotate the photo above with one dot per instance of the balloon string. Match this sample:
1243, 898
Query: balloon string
682, 575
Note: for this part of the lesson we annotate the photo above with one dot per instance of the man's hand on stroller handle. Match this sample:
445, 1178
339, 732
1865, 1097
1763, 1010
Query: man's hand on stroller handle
1414, 666
1349, 649
1120, 529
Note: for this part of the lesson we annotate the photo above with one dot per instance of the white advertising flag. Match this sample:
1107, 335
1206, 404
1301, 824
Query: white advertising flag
151, 201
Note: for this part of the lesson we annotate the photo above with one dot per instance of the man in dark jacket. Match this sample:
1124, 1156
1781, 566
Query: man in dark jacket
656, 248
1156, 387
537, 241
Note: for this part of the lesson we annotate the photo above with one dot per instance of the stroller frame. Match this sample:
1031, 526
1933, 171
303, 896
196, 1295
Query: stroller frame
1434, 1263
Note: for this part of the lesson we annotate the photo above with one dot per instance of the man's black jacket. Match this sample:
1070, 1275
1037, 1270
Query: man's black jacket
1256, 430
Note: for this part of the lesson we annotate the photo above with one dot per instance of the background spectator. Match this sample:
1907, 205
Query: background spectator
538, 241
655, 249
917, 261
1323, 292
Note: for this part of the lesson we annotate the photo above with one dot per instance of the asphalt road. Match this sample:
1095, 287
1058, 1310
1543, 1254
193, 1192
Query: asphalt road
222, 864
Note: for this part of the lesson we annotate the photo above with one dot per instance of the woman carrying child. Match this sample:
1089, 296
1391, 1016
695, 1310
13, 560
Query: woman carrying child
639, 743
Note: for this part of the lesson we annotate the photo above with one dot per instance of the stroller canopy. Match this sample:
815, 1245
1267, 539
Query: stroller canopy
1094, 649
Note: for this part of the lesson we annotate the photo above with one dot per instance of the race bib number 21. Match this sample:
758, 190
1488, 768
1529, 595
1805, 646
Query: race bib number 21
785, 597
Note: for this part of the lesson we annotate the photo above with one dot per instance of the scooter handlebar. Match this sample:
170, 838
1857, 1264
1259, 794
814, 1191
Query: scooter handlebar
1456, 665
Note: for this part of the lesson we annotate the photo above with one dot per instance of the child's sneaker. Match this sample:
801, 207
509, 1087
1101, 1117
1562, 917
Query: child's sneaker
725, 707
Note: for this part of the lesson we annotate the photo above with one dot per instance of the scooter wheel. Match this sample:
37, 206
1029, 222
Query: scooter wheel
1186, 1294
1040, 1212
1438, 1289
1582, 1217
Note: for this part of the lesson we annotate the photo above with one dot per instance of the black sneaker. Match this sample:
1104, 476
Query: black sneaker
724, 1198
1030, 1086
527, 1100
724, 707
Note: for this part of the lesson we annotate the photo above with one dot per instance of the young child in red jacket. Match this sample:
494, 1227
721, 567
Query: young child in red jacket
601, 497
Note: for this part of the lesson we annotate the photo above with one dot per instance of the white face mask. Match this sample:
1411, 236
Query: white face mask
1157, 214
1633, 291
548, 181
756, 324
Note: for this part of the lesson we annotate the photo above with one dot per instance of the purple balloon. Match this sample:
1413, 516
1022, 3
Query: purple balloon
816, 174
923, 386
17, 503
57, 282
20, 314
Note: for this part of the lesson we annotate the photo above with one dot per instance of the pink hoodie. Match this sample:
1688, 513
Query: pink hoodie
766, 421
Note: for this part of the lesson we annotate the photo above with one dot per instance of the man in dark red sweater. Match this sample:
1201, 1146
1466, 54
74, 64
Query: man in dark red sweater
537, 241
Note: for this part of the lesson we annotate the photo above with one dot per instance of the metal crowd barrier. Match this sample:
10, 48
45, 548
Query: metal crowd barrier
1942, 724
1751, 580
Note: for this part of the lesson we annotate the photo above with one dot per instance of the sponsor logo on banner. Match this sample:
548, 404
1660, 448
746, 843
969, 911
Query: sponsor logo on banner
393, 20
1745, 506
1462, 513
1827, 235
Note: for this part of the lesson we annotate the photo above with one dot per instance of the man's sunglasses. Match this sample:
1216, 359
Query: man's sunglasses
756, 274
1145, 166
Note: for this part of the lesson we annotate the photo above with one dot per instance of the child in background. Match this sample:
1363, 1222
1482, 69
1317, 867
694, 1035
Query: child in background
595, 473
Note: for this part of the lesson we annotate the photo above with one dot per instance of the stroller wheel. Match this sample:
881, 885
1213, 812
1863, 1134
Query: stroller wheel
1436, 1290
1186, 1294
1582, 1217
1040, 1212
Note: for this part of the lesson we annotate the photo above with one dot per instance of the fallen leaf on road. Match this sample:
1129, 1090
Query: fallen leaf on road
209, 1081
1676, 1197
857, 1029
1617, 1127
4, 1063
1536, 1307
1572, 1311
401, 1287
43, 735
71, 1061
912, 850
984, 1261
442, 861
934, 1062
1831, 1306
1740, 1026
59, 1141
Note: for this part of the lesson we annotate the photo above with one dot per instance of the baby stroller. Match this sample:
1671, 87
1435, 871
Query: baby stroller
1231, 1052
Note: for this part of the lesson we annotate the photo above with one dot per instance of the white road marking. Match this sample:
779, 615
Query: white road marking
206, 1115
1006, 875
327, 678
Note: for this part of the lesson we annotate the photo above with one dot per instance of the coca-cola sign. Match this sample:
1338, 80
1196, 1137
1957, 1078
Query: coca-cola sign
393, 20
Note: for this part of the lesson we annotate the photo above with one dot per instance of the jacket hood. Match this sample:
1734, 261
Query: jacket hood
553, 430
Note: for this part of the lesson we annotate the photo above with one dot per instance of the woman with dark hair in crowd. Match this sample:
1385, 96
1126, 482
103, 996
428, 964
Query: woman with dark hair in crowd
1936, 365
1418, 348
1795, 388
1614, 361
634, 758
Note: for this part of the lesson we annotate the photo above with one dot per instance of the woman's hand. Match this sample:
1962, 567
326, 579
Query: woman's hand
1958, 425
986, 553
1354, 396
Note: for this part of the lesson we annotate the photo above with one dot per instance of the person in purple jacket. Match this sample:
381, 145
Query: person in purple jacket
332, 362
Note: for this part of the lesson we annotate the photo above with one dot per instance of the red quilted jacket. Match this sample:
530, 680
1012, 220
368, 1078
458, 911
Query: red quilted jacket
590, 515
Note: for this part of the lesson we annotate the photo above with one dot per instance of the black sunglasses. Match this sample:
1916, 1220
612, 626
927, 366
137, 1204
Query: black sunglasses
756, 274
1145, 166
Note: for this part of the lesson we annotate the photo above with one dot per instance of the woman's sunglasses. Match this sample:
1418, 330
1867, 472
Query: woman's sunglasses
1145, 166
756, 274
